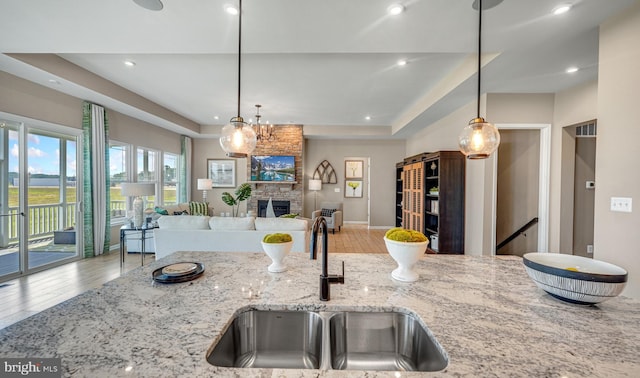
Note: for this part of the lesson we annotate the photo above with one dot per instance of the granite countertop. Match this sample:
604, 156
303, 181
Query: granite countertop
485, 312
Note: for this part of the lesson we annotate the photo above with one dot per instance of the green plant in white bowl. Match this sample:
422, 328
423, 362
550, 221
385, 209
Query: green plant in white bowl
405, 247
277, 246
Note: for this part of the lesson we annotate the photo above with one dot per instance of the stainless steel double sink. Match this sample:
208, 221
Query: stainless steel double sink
340, 340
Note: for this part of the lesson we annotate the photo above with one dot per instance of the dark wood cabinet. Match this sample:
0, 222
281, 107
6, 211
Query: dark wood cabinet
399, 167
433, 198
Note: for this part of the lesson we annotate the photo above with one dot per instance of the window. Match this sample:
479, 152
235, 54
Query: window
119, 173
170, 179
147, 167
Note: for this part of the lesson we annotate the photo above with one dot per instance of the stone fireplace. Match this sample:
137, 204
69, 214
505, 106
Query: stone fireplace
289, 141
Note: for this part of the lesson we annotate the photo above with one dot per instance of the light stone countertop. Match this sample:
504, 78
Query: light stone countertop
485, 312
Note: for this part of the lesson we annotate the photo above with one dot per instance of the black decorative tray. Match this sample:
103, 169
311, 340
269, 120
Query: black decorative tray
178, 272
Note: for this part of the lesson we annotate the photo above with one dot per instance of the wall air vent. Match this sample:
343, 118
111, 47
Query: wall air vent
587, 129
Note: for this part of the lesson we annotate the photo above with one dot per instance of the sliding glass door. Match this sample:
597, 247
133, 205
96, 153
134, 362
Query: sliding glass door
41, 218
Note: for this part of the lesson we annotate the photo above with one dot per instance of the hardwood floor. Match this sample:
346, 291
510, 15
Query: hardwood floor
26, 296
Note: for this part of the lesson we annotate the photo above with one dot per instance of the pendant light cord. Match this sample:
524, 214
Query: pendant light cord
479, 50
239, 53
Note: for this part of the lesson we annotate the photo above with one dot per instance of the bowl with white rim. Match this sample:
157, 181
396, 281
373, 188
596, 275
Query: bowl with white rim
575, 279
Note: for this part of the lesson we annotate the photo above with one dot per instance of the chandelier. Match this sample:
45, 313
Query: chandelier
263, 132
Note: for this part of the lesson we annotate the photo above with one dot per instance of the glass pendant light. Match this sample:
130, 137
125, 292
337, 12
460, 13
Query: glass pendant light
479, 139
238, 138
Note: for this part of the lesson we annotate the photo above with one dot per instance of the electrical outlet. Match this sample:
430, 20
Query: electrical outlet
590, 249
621, 204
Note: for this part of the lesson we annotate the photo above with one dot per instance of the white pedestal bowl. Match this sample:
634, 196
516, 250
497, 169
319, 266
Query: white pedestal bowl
277, 252
406, 255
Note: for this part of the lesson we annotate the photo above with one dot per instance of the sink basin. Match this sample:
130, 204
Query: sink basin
340, 340
382, 341
271, 339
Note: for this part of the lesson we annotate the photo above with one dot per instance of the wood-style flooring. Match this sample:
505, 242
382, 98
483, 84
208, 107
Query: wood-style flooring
26, 296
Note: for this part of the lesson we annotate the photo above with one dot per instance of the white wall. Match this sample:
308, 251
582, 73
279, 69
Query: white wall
204, 149
383, 154
617, 239
571, 106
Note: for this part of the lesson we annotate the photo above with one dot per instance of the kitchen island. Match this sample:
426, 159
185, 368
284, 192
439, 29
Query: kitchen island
485, 312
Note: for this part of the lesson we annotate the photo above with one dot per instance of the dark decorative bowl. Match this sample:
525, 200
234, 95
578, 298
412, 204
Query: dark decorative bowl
575, 279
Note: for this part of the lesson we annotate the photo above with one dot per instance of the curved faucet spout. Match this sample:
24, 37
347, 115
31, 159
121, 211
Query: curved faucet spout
325, 278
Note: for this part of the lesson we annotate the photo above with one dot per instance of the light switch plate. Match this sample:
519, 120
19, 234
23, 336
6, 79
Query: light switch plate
621, 204
337, 190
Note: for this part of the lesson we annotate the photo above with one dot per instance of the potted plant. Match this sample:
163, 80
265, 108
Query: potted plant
434, 191
277, 246
242, 193
405, 247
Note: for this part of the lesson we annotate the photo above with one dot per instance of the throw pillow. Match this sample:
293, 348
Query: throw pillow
198, 208
327, 212
183, 212
161, 211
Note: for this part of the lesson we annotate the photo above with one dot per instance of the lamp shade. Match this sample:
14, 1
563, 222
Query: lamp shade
205, 184
315, 184
136, 189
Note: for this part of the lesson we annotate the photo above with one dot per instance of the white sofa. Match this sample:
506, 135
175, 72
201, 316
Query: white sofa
133, 239
224, 234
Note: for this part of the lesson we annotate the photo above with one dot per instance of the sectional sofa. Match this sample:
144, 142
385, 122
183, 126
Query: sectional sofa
224, 234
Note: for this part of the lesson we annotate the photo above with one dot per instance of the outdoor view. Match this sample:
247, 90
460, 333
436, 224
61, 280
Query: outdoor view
51, 167
51, 195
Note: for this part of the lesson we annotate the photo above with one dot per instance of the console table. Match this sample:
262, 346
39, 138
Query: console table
142, 232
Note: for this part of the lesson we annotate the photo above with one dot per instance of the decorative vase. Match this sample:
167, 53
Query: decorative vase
277, 252
406, 254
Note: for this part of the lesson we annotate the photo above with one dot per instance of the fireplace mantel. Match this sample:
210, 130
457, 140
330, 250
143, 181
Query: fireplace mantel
255, 184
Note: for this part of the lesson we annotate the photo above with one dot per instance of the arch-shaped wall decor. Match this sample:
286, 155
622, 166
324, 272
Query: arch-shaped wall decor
325, 172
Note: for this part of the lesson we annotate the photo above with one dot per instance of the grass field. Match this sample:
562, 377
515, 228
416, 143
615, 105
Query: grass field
42, 195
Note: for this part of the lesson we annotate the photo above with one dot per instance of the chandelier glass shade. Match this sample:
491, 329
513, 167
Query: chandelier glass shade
238, 139
479, 139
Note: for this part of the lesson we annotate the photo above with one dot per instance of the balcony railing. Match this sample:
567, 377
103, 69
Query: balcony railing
45, 219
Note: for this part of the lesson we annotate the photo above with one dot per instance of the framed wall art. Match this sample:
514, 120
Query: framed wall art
353, 169
353, 189
222, 172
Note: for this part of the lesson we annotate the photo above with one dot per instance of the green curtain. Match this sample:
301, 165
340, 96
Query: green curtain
185, 169
95, 154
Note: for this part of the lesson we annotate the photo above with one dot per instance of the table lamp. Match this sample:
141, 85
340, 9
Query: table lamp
315, 185
137, 190
204, 184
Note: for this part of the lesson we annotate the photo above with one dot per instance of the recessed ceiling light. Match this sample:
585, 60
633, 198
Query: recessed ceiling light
129, 63
402, 62
216, 117
54, 81
572, 69
231, 9
562, 9
368, 118
395, 9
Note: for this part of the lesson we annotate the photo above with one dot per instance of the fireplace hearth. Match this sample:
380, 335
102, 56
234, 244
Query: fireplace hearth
279, 207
